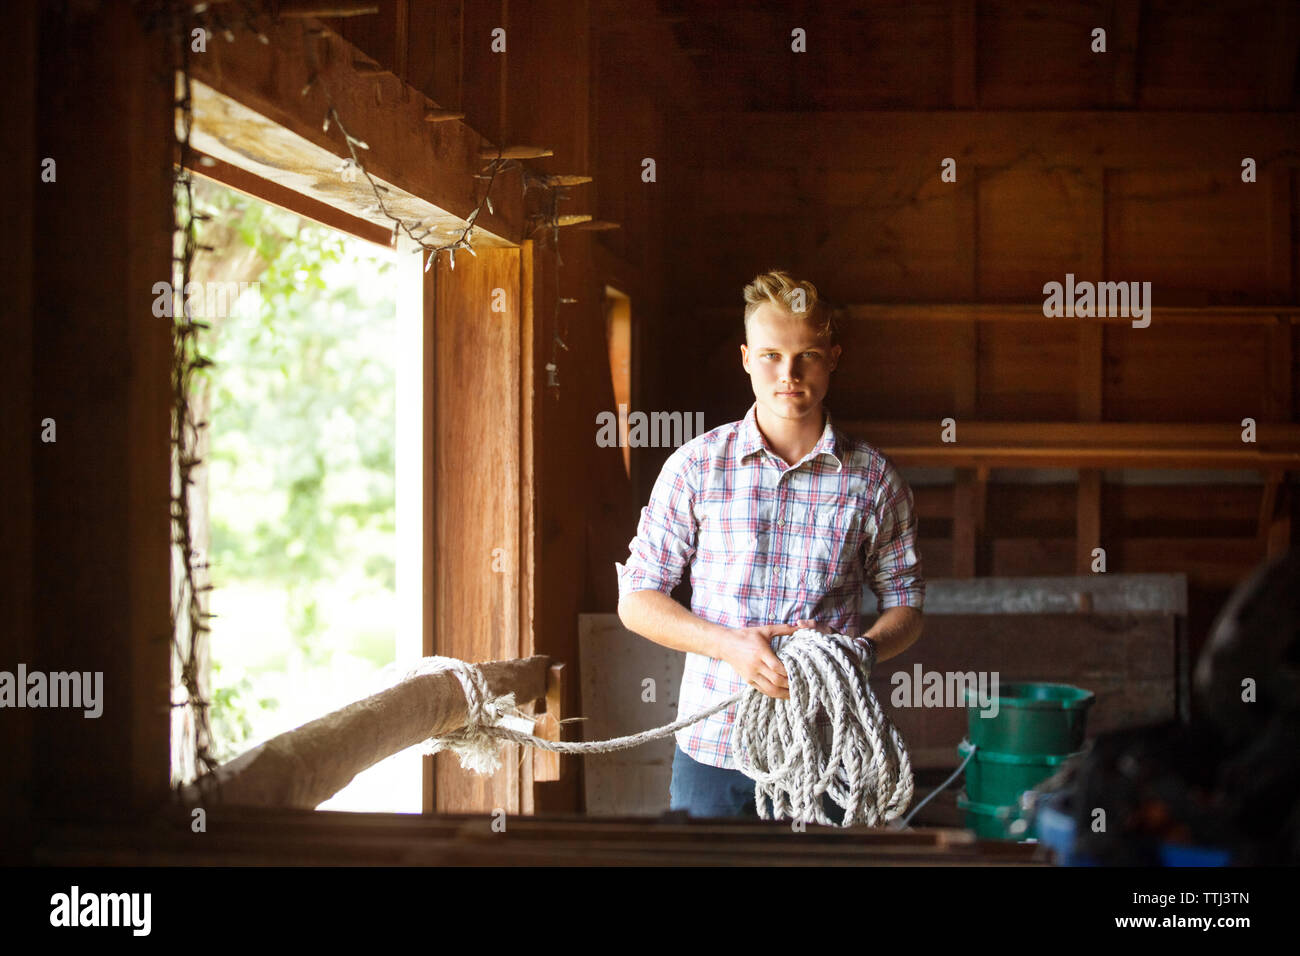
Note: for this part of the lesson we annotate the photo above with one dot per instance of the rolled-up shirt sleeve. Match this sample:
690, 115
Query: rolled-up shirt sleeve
666, 534
893, 566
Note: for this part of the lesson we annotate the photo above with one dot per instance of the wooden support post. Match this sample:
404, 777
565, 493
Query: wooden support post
546, 765
969, 495
1088, 519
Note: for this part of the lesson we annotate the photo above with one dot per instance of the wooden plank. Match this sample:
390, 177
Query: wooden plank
251, 112
1285, 48
965, 371
1281, 361
965, 29
1122, 45
483, 73
18, 48
1084, 444
1091, 384
1280, 242
913, 312
550, 63
1088, 520
529, 433
292, 200
1156, 511
259, 836
1037, 224
1138, 139
1025, 371
969, 495
1211, 563
102, 550
475, 572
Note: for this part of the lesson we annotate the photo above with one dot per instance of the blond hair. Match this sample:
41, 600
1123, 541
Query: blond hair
778, 288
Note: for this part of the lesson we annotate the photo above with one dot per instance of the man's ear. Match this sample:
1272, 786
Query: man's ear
744, 356
835, 356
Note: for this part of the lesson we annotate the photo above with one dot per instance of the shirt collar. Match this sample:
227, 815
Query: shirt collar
752, 440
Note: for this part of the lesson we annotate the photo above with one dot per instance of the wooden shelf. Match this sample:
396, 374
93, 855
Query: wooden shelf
1033, 312
1084, 444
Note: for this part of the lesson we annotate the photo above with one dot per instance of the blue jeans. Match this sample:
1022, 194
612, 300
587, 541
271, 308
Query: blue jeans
706, 791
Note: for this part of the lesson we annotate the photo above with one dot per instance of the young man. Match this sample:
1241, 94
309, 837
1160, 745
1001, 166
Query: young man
781, 517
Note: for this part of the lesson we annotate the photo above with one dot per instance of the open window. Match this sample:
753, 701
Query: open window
306, 509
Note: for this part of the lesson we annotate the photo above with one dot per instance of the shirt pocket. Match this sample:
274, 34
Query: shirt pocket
836, 543
727, 530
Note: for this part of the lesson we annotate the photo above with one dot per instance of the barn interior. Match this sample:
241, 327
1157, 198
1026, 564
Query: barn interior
574, 194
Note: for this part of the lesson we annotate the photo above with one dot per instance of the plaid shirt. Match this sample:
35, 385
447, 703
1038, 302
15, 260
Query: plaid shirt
768, 543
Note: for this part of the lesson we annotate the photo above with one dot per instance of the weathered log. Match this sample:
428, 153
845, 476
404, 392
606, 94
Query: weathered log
304, 767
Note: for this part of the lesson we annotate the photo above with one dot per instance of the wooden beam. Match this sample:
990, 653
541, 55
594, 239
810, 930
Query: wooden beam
101, 543
1085, 444
262, 108
1033, 312
1088, 519
306, 766
296, 202
970, 492
475, 573
256, 836
1138, 139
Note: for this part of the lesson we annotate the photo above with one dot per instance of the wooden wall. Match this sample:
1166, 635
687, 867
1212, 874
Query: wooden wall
1117, 166
86, 556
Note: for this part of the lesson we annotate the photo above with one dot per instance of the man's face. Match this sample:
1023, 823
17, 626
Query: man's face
788, 363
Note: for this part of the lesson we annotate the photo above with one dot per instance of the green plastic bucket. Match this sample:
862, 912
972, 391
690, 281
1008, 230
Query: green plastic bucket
1000, 778
987, 820
1032, 718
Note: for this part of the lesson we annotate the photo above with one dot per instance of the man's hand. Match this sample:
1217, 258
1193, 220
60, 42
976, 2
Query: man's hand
749, 651
867, 647
821, 628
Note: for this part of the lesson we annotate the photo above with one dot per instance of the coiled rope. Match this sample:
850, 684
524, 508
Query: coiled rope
777, 743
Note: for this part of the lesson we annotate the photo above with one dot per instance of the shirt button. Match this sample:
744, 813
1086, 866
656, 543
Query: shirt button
781, 522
